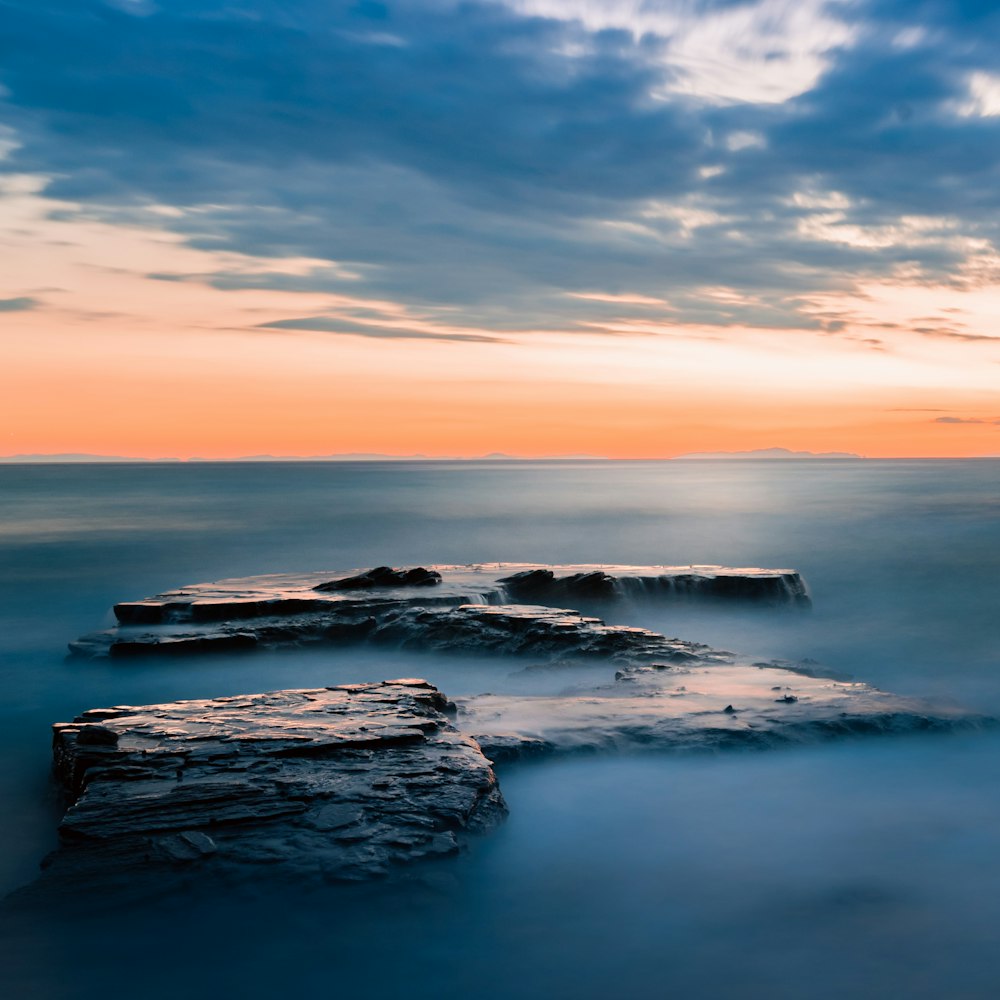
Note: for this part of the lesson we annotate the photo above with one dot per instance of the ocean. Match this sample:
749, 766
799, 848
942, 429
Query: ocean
868, 867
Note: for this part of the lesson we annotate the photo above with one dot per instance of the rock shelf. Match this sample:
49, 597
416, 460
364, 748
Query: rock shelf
516, 630
350, 782
344, 782
715, 707
483, 608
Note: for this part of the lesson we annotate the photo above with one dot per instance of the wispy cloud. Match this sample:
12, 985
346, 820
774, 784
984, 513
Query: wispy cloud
509, 161
22, 303
963, 420
329, 324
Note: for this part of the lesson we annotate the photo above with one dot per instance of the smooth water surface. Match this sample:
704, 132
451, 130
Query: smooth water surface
867, 867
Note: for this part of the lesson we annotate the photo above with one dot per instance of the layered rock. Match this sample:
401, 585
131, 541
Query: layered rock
384, 576
343, 782
761, 586
374, 605
351, 781
517, 630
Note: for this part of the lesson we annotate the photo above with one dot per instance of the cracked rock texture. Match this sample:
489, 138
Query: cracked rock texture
344, 782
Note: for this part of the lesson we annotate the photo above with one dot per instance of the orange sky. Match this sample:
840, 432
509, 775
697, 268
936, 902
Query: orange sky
537, 227
118, 363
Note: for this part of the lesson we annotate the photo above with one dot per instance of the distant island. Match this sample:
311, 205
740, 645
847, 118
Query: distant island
74, 457
359, 456
365, 456
780, 453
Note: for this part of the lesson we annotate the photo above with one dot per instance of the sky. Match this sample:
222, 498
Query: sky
628, 228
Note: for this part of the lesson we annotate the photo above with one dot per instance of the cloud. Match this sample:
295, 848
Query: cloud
952, 334
963, 420
22, 303
503, 162
329, 324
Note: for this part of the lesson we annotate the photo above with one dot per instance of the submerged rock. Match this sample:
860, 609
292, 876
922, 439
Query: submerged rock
701, 707
350, 782
344, 782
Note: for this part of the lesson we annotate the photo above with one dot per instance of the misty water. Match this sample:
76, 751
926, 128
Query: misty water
869, 867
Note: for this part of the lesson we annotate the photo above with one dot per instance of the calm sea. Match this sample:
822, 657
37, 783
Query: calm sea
869, 868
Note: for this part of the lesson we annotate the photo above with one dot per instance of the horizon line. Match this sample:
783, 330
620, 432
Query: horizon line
760, 455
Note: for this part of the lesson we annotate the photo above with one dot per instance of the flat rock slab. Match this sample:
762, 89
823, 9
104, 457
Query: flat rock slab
493, 583
555, 634
716, 707
287, 609
343, 782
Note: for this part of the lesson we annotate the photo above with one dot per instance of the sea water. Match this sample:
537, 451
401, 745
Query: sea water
868, 867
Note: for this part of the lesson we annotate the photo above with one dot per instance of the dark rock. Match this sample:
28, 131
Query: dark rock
346, 782
96, 736
384, 576
290, 609
183, 848
542, 585
526, 630
169, 645
554, 634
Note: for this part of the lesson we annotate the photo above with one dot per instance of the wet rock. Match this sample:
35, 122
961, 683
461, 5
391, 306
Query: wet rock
703, 707
345, 782
96, 736
222, 641
280, 609
543, 585
183, 848
527, 630
555, 634
385, 576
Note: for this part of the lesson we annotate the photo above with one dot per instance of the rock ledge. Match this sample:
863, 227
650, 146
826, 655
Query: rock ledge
345, 782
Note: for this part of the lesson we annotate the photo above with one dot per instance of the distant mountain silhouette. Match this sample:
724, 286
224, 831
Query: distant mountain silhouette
781, 453
74, 456
354, 456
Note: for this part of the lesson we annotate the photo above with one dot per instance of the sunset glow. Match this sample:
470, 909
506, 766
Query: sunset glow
637, 256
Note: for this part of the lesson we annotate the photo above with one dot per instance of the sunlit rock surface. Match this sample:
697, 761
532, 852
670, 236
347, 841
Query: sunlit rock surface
343, 782
698, 707
380, 606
